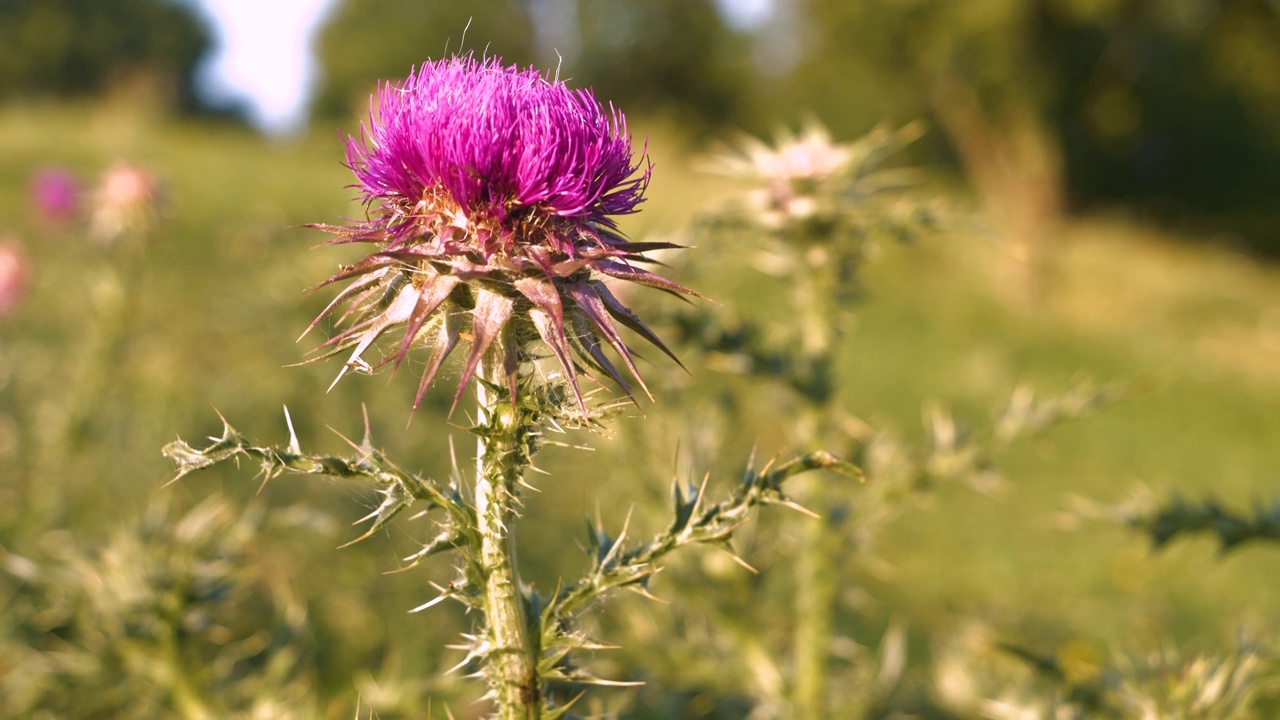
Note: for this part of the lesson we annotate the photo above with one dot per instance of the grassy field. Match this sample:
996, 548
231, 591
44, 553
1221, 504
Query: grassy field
217, 304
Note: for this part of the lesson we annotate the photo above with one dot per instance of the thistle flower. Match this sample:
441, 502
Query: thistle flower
54, 195
810, 181
14, 276
492, 194
123, 202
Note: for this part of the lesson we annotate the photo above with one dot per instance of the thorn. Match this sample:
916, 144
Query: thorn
592, 680
702, 492
617, 542
373, 514
799, 508
740, 561
334, 384
367, 452
768, 466
225, 425
294, 447
643, 591
429, 604
453, 461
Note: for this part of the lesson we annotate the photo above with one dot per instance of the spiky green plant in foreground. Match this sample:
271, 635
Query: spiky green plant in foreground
1006, 680
492, 195
172, 616
978, 676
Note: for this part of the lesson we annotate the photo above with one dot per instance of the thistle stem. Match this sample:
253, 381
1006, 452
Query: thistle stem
816, 587
512, 669
816, 591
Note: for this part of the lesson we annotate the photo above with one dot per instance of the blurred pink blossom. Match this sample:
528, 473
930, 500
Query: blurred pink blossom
54, 194
14, 276
124, 201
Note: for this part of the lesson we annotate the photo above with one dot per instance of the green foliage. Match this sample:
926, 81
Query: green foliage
173, 616
661, 56
1075, 683
1170, 108
65, 47
614, 565
366, 41
1232, 528
220, 306
398, 488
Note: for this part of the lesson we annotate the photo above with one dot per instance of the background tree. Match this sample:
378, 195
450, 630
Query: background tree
666, 56
370, 40
82, 47
1168, 109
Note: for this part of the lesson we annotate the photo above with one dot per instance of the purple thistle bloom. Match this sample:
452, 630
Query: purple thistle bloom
492, 194
55, 195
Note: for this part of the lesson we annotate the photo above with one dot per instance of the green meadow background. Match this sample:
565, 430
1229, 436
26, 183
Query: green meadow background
1187, 316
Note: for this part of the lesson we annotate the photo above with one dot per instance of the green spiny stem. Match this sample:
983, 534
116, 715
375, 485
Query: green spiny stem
501, 459
695, 523
816, 585
816, 591
183, 691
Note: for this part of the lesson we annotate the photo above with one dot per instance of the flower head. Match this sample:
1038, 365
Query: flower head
55, 195
15, 274
123, 202
492, 195
806, 182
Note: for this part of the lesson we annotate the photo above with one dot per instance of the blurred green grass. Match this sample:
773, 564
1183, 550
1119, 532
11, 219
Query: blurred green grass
221, 300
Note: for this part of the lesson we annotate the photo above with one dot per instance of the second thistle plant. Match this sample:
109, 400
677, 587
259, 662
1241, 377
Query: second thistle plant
817, 205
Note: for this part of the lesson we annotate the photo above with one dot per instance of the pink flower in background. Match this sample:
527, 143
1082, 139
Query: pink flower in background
123, 202
493, 194
54, 195
15, 274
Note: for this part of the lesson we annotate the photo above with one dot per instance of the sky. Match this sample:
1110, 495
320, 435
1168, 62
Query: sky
263, 55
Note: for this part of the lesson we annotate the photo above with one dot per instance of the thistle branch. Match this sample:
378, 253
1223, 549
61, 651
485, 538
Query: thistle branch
616, 566
1180, 517
369, 465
